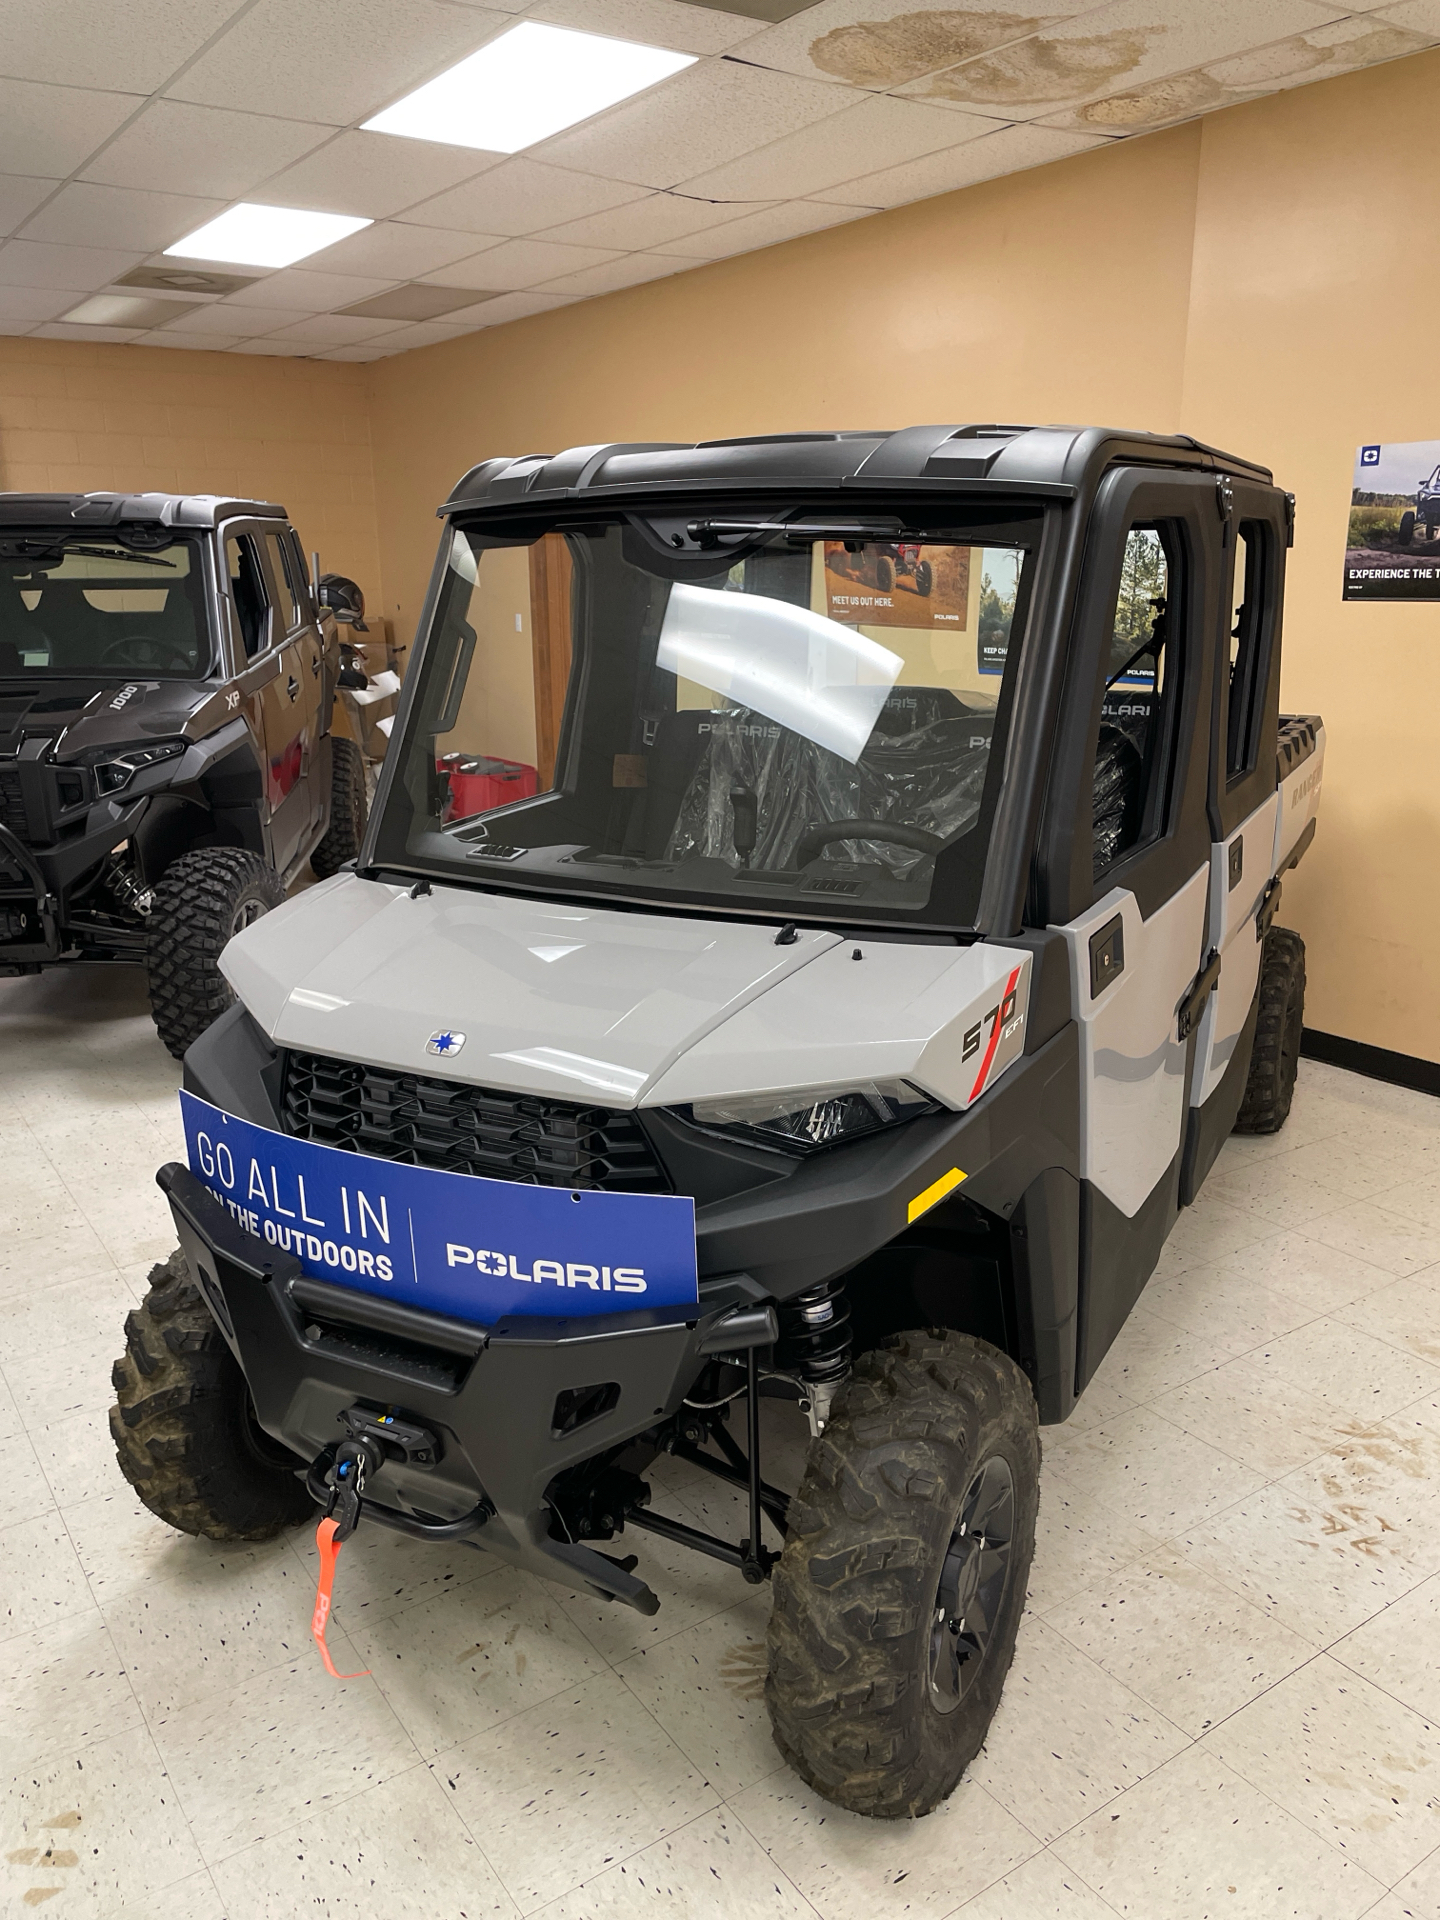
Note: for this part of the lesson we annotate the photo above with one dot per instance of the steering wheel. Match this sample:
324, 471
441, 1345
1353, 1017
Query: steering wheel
814, 840
138, 646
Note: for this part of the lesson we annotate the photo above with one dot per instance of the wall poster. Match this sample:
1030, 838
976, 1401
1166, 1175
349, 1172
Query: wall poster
1392, 550
889, 584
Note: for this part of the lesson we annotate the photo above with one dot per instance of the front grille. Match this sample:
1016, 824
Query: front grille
12, 804
462, 1129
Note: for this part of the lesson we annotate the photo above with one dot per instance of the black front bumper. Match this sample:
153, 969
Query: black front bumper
310, 1350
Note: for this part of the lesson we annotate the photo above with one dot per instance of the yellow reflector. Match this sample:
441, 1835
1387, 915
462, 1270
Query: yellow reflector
934, 1194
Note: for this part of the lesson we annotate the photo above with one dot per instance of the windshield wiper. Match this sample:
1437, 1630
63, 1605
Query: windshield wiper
37, 552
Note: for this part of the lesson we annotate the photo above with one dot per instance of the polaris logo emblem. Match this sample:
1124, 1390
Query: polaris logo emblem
445, 1043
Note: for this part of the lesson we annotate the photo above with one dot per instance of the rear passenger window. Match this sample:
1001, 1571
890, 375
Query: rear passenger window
1251, 599
282, 568
1141, 669
248, 592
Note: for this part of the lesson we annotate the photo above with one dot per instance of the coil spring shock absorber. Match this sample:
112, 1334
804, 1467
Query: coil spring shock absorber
814, 1346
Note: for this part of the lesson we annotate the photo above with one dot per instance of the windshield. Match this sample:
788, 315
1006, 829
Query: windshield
80, 603
799, 723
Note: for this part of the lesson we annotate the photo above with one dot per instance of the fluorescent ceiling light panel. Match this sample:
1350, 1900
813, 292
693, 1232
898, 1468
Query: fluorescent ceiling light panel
256, 236
530, 82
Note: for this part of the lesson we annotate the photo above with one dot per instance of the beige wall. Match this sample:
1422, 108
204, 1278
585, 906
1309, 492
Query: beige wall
76, 418
1264, 279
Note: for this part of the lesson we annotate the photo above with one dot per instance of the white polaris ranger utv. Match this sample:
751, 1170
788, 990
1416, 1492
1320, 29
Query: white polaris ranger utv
766, 970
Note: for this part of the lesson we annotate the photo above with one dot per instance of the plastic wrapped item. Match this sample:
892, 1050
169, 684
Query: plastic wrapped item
923, 766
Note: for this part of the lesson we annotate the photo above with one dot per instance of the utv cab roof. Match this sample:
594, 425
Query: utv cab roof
1058, 461
82, 510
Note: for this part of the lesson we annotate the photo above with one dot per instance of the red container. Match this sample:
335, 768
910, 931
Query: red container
479, 782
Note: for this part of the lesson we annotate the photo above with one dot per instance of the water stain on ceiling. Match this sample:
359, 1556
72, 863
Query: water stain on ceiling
1227, 83
887, 53
1045, 69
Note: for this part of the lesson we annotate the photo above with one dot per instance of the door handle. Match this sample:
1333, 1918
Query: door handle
1193, 1005
292, 686
315, 663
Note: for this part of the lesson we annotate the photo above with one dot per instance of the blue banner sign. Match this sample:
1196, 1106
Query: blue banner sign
451, 1242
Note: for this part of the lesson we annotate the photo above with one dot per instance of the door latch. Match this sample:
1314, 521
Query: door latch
1193, 1005
292, 686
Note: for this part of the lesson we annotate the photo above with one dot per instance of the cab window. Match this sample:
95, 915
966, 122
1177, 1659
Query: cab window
249, 594
1141, 671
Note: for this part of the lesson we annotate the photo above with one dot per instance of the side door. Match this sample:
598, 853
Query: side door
272, 682
1131, 773
1244, 803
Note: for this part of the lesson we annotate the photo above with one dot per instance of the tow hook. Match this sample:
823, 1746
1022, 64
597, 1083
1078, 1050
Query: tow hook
355, 1459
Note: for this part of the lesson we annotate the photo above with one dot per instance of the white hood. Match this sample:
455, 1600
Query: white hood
576, 1001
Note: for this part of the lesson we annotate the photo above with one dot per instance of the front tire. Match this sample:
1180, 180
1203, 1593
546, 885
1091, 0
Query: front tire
348, 809
924, 579
1275, 1056
203, 899
1407, 529
885, 574
900, 1590
184, 1429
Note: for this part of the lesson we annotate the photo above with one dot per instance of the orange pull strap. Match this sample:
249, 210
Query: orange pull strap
329, 1553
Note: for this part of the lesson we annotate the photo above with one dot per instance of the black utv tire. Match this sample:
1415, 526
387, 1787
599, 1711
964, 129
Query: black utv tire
924, 579
879, 1696
884, 574
348, 809
202, 900
1407, 529
1275, 1056
183, 1425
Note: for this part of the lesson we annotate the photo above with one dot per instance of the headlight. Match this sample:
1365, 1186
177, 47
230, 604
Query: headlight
112, 775
809, 1118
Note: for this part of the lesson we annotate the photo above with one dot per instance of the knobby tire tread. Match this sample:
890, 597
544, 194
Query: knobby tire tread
348, 809
1270, 1084
190, 922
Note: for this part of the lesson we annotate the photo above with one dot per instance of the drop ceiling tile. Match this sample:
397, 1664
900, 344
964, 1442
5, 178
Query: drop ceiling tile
56, 330
1008, 151
1115, 49
225, 317
333, 330
519, 264
131, 48
374, 174
50, 130
33, 304
512, 306
192, 342
655, 23
651, 222
26, 263
358, 353
694, 121
875, 133
422, 333
272, 349
766, 229
310, 292
401, 252
1422, 16
207, 149
842, 40
19, 198
630, 270
334, 60
83, 215
520, 196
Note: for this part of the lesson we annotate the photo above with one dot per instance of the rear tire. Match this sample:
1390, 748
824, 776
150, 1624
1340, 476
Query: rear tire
924, 579
184, 1428
203, 899
1275, 1056
891, 1635
348, 809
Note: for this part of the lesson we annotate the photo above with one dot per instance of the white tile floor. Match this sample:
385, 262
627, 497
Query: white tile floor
1226, 1699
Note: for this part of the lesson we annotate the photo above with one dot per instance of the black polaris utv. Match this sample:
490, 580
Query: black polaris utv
845, 1016
1425, 513
171, 750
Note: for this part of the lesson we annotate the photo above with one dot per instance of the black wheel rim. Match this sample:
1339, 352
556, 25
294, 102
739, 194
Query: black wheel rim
972, 1585
246, 914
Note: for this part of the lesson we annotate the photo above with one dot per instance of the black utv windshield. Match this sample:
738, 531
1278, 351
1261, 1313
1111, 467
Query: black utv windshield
92, 603
796, 713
